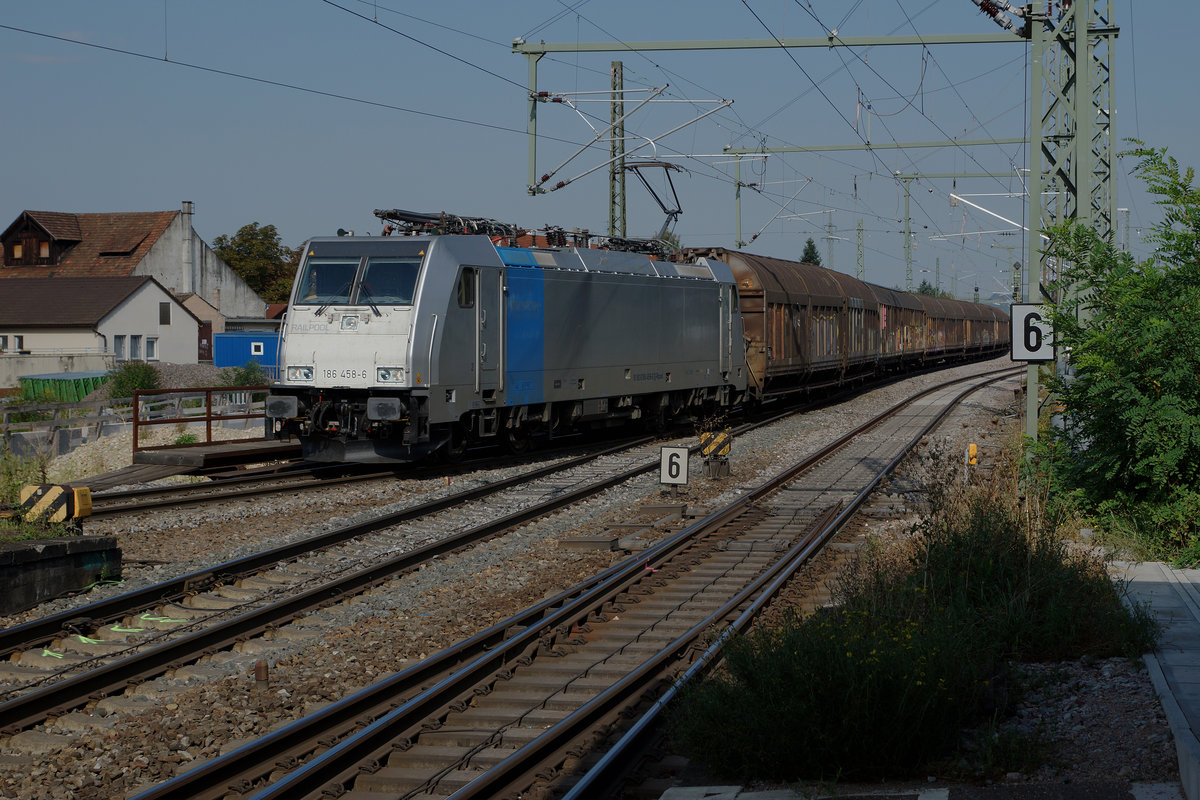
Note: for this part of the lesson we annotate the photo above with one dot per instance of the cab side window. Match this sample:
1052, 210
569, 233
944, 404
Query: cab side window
466, 288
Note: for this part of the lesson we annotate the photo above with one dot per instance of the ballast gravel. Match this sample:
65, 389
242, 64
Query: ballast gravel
1103, 718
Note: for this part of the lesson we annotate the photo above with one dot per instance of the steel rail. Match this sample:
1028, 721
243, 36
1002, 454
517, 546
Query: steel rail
536, 759
254, 760
42, 630
299, 475
602, 779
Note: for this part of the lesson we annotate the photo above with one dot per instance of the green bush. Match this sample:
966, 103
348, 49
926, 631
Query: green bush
1133, 333
250, 374
916, 651
131, 376
840, 694
1024, 590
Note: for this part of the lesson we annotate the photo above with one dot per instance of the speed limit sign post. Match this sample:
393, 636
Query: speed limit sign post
673, 467
1032, 336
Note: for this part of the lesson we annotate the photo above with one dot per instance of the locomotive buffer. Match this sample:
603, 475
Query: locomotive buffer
715, 447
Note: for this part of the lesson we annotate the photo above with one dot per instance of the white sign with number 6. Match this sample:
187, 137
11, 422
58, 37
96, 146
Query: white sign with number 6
673, 466
1032, 336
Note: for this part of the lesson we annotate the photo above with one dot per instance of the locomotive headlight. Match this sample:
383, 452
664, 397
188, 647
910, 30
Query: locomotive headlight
389, 374
299, 373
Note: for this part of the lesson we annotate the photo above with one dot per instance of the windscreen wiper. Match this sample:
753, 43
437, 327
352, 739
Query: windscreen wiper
344, 290
363, 291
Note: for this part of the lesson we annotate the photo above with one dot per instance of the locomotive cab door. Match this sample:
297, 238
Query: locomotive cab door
489, 333
727, 299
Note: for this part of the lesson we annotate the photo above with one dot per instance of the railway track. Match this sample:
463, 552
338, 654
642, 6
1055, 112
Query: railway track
301, 476
123, 640
523, 702
59, 662
295, 477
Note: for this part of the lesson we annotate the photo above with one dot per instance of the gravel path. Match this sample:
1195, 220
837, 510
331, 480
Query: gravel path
1103, 716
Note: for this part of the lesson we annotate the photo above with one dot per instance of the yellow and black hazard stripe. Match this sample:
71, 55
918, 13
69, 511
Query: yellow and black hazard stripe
716, 444
53, 503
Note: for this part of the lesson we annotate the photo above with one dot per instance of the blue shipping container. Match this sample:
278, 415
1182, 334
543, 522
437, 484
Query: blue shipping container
238, 348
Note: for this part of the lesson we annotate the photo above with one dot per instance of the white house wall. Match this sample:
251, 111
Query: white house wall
44, 341
209, 277
138, 315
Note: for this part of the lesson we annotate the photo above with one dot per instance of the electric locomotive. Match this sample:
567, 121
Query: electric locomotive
397, 347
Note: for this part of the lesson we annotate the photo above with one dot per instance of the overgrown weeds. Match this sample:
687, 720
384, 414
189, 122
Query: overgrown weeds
916, 650
15, 473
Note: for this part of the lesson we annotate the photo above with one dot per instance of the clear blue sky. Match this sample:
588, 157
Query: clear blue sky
425, 109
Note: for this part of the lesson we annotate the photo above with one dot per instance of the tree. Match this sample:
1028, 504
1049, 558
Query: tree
1132, 331
256, 254
810, 254
928, 288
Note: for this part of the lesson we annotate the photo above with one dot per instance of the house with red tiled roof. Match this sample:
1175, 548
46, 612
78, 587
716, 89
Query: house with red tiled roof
93, 323
158, 244
57, 247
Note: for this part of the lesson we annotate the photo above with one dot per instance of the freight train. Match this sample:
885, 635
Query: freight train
462, 330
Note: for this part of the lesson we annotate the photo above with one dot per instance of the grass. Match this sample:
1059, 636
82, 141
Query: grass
15, 473
913, 660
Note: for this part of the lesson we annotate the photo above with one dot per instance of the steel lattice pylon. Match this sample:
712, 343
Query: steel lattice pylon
1071, 103
1071, 78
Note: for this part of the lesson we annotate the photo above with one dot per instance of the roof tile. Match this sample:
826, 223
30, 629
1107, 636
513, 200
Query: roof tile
108, 244
63, 302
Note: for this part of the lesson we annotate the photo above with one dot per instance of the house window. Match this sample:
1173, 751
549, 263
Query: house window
164, 313
119, 347
43, 249
18, 251
256, 348
18, 342
152, 348
135, 347
3, 343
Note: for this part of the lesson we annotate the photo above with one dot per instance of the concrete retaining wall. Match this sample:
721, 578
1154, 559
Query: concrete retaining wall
14, 365
63, 440
35, 571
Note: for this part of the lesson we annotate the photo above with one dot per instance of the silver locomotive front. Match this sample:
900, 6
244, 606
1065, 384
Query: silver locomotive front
345, 354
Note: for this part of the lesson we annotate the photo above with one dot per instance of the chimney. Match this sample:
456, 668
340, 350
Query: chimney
189, 258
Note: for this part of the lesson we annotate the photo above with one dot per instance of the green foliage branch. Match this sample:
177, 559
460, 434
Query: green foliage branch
1132, 332
257, 254
130, 376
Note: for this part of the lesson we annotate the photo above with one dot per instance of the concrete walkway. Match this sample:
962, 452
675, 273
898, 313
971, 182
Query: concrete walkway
1174, 596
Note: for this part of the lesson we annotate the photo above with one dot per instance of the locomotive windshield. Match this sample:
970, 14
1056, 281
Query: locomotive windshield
389, 281
386, 280
326, 281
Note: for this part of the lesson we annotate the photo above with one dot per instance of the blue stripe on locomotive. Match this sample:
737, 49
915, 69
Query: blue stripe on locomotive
525, 334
